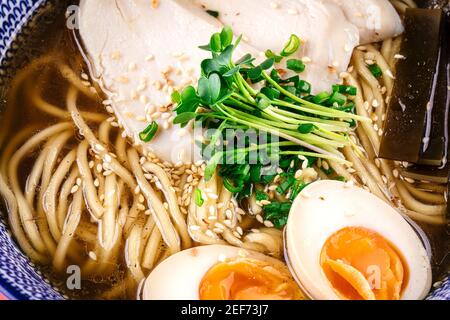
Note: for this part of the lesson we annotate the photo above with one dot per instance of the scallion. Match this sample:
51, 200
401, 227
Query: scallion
198, 197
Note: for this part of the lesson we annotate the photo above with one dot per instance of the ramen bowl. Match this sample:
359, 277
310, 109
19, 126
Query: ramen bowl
20, 278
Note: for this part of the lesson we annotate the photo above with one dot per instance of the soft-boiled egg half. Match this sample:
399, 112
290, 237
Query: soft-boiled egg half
342, 242
220, 272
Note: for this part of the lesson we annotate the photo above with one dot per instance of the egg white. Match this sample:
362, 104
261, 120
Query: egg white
179, 276
326, 207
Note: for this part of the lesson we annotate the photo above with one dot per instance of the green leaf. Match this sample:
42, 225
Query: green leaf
275, 76
189, 101
226, 36
255, 173
176, 97
295, 65
184, 117
224, 59
206, 47
291, 46
216, 43
267, 64
306, 128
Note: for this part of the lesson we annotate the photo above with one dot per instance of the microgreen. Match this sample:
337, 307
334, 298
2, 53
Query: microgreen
307, 125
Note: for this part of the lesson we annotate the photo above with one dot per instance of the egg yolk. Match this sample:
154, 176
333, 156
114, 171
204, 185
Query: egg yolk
361, 265
248, 279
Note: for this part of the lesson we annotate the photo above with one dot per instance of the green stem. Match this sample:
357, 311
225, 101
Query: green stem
312, 106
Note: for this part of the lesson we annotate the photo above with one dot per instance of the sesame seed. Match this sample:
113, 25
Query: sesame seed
293, 12
107, 158
107, 173
268, 224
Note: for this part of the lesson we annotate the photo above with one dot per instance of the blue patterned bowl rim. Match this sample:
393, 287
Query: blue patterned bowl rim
19, 278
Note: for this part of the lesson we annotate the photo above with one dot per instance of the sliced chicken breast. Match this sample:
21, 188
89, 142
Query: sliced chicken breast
139, 55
